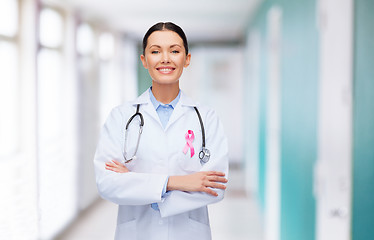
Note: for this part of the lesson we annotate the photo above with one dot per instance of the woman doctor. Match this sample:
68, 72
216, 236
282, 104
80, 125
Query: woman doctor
161, 185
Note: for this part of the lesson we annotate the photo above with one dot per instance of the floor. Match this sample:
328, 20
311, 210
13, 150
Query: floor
235, 218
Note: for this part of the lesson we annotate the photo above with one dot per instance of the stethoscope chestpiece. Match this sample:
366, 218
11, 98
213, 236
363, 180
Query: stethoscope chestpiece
129, 160
204, 155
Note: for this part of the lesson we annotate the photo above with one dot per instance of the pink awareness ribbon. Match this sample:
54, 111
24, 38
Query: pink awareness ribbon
190, 136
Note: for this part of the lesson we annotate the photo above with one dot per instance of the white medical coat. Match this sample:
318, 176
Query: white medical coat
182, 215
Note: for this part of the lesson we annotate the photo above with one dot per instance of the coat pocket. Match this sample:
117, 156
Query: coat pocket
199, 230
189, 164
126, 230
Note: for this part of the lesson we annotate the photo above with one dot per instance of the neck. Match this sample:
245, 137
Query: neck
165, 93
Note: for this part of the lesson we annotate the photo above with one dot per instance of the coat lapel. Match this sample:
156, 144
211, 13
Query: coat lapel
180, 109
178, 112
146, 106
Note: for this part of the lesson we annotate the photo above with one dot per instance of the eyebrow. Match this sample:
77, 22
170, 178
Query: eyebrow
175, 45
171, 46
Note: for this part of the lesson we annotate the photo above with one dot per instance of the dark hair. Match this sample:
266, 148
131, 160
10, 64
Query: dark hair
161, 26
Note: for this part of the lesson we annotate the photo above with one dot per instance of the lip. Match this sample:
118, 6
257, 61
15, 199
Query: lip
165, 70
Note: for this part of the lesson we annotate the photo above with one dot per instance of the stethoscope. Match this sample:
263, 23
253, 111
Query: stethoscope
204, 153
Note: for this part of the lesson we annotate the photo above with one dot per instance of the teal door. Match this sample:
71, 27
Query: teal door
363, 149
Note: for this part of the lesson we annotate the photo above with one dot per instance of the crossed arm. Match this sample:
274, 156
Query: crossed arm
196, 182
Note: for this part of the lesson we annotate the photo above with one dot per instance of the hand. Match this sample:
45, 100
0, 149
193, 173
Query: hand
198, 182
116, 166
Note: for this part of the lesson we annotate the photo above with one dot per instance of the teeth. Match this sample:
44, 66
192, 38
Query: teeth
165, 70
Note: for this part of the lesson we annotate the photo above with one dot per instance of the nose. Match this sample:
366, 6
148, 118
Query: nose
165, 58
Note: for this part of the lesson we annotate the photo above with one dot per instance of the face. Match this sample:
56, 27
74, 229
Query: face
165, 57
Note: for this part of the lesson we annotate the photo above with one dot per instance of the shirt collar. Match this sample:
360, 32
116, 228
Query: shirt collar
156, 103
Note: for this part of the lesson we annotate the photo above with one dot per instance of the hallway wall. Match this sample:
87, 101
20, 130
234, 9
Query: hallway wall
294, 218
321, 104
363, 150
299, 132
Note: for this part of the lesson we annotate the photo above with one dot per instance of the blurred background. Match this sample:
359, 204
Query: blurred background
292, 81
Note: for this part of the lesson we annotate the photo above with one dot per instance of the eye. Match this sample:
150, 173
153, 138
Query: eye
175, 51
155, 52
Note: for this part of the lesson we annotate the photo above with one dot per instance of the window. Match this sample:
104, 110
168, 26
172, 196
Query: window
9, 84
85, 40
57, 159
9, 18
17, 175
106, 46
51, 28
9, 95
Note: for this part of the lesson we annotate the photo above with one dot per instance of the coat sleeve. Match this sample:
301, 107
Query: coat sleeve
122, 188
178, 201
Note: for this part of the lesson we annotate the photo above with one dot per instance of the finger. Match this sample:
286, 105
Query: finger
117, 163
116, 169
210, 192
217, 179
215, 173
216, 185
110, 164
112, 169
109, 167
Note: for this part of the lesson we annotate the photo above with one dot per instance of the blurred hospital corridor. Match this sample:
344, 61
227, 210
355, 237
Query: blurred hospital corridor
292, 83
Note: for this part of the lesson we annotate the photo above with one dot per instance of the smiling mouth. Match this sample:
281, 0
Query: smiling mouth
165, 70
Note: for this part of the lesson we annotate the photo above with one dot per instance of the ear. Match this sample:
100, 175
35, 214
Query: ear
142, 58
188, 59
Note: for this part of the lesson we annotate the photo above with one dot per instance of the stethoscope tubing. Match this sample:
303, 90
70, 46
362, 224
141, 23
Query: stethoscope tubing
133, 116
204, 154
202, 126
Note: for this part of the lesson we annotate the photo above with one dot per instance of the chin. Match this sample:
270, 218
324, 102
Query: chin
166, 81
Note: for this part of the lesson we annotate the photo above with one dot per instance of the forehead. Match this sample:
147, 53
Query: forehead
164, 38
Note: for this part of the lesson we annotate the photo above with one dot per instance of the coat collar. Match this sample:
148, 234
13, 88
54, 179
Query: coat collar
144, 98
178, 112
